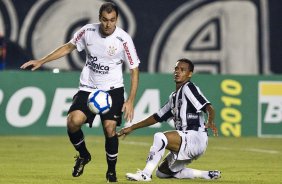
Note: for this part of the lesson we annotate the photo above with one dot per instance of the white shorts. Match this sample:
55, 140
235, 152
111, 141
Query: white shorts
193, 145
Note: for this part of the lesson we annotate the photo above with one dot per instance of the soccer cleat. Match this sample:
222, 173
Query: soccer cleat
79, 165
138, 176
214, 174
111, 177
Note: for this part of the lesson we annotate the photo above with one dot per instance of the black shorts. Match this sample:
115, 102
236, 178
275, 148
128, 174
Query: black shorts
80, 103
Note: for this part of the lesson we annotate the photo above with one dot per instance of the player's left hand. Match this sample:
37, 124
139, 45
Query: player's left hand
212, 126
128, 111
124, 132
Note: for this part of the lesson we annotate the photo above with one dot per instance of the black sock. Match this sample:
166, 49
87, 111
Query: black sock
111, 152
77, 139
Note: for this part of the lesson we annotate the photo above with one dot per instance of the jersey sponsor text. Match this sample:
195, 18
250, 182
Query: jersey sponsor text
128, 53
79, 36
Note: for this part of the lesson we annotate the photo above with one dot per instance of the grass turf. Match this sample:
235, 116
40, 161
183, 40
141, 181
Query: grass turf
49, 159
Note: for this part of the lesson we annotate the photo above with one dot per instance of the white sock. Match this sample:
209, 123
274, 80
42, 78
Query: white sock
188, 173
157, 151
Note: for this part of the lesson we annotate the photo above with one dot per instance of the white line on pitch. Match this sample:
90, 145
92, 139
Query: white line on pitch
135, 143
251, 150
263, 151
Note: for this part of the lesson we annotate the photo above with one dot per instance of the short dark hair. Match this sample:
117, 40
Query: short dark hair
108, 7
191, 65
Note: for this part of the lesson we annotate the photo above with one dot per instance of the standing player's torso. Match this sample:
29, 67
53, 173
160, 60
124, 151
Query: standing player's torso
103, 54
104, 59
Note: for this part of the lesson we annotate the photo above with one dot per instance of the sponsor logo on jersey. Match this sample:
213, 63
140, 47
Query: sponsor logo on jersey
128, 53
79, 36
91, 59
192, 116
96, 67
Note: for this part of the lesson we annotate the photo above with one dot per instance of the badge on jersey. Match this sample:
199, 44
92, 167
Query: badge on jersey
112, 50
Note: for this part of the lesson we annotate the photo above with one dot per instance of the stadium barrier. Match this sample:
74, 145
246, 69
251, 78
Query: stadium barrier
36, 103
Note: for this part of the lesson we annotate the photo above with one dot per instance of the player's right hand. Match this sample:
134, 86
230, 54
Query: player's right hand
33, 64
212, 126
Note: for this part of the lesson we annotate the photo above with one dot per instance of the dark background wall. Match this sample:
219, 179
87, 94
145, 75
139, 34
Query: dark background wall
227, 37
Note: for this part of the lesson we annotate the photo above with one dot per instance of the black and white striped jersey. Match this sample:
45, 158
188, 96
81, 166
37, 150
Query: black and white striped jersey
185, 107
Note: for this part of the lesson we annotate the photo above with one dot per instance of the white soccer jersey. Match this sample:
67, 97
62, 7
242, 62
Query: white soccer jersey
185, 107
104, 57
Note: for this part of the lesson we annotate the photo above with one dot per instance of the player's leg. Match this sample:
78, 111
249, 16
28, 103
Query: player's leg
111, 147
169, 164
76, 118
161, 141
110, 120
180, 171
193, 146
74, 122
157, 151
188, 173
163, 170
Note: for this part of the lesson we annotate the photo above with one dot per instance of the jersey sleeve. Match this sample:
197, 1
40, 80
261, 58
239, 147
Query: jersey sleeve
79, 39
165, 113
195, 96
131, 57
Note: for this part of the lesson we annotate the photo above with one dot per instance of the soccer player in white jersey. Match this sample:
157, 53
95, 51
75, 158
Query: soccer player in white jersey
107, 47
186, 106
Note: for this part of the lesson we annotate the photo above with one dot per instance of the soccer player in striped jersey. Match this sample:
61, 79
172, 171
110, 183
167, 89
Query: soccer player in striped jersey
187, 107
107, 48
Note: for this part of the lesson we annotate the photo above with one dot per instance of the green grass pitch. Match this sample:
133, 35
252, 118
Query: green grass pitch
49, 160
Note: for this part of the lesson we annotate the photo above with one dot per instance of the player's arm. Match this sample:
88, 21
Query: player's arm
210, 120
144, 123
56, 54
129, 103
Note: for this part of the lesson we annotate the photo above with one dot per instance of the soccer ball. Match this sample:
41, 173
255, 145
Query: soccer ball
99, 102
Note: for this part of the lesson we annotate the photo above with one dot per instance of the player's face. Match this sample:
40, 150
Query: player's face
108, 22
182, 73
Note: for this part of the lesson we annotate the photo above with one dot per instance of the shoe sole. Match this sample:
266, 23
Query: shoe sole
130, 178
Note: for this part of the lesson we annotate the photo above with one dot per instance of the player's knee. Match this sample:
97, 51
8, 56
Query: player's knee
160, 136
109, 132
74, 123
109, 128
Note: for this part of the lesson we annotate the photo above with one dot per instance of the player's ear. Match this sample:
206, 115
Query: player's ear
190, 74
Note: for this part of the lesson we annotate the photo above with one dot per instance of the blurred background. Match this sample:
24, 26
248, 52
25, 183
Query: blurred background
227, 37
235, 45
